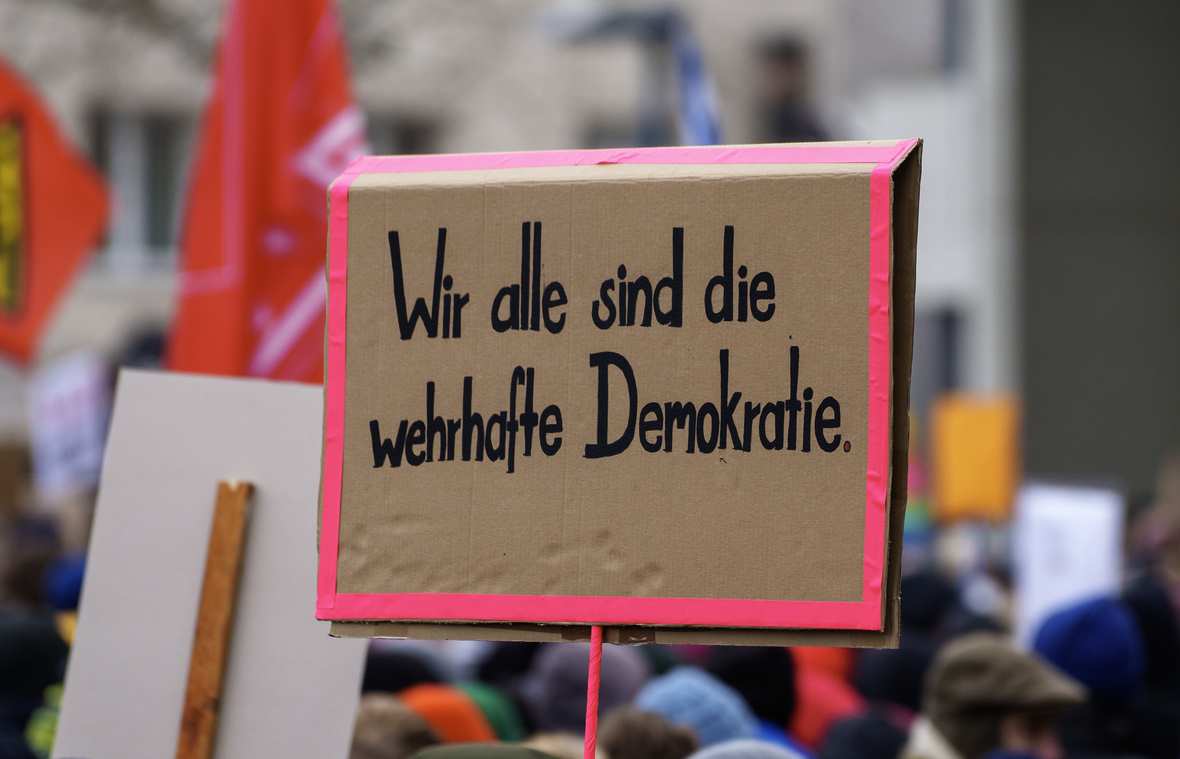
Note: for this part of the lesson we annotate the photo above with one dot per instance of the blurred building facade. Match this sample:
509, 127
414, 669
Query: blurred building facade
1100, 237
128, 80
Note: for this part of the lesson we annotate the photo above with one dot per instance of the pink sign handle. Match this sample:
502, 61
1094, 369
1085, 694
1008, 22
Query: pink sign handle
592, 692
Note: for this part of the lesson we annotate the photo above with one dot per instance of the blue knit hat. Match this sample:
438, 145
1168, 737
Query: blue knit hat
61, 585
1098, 643
692, 697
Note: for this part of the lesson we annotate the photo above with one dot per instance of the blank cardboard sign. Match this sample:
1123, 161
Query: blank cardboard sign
663, 388
290, 690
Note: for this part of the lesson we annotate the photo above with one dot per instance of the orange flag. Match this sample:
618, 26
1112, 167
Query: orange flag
53, 208
279, 126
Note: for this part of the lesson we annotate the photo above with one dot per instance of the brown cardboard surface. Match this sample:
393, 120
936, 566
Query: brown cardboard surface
635, 635
906, 185
757, 524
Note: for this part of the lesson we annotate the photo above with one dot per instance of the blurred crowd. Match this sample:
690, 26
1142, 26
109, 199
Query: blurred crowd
38, 612
1099, 678
1102, 680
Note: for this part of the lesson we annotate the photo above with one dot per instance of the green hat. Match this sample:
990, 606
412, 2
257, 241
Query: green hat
498, 707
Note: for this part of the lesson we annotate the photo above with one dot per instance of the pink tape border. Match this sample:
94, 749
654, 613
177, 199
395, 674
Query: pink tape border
865, 615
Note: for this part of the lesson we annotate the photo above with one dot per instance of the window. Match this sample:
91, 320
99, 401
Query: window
166, 142
144, 158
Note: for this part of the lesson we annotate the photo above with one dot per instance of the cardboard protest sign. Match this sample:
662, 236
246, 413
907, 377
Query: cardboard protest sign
290, 690
68, 405
664, 388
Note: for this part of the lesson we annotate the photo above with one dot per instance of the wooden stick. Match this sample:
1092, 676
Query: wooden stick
215, 617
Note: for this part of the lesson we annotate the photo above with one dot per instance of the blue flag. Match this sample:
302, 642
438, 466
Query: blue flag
700, 123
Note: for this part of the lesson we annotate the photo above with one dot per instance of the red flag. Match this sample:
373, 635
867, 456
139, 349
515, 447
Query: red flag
280, 125
53, 208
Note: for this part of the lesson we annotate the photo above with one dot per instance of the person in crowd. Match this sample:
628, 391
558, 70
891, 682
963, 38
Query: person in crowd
763, 675
1154, 532
32, 652
32, 658
745, 748
691, 654
506, 664
555, 689
1100, 644
892, 678
563, 746
61, 582
61, 588
449, 712
765, 678
659, 657
930, 599
394, 665
392, 670
982, 694
1147, 598
386, 729
871, 735
630, 733
483, 751
822, 700
694, 698
785, 112
837, 662
24, 572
